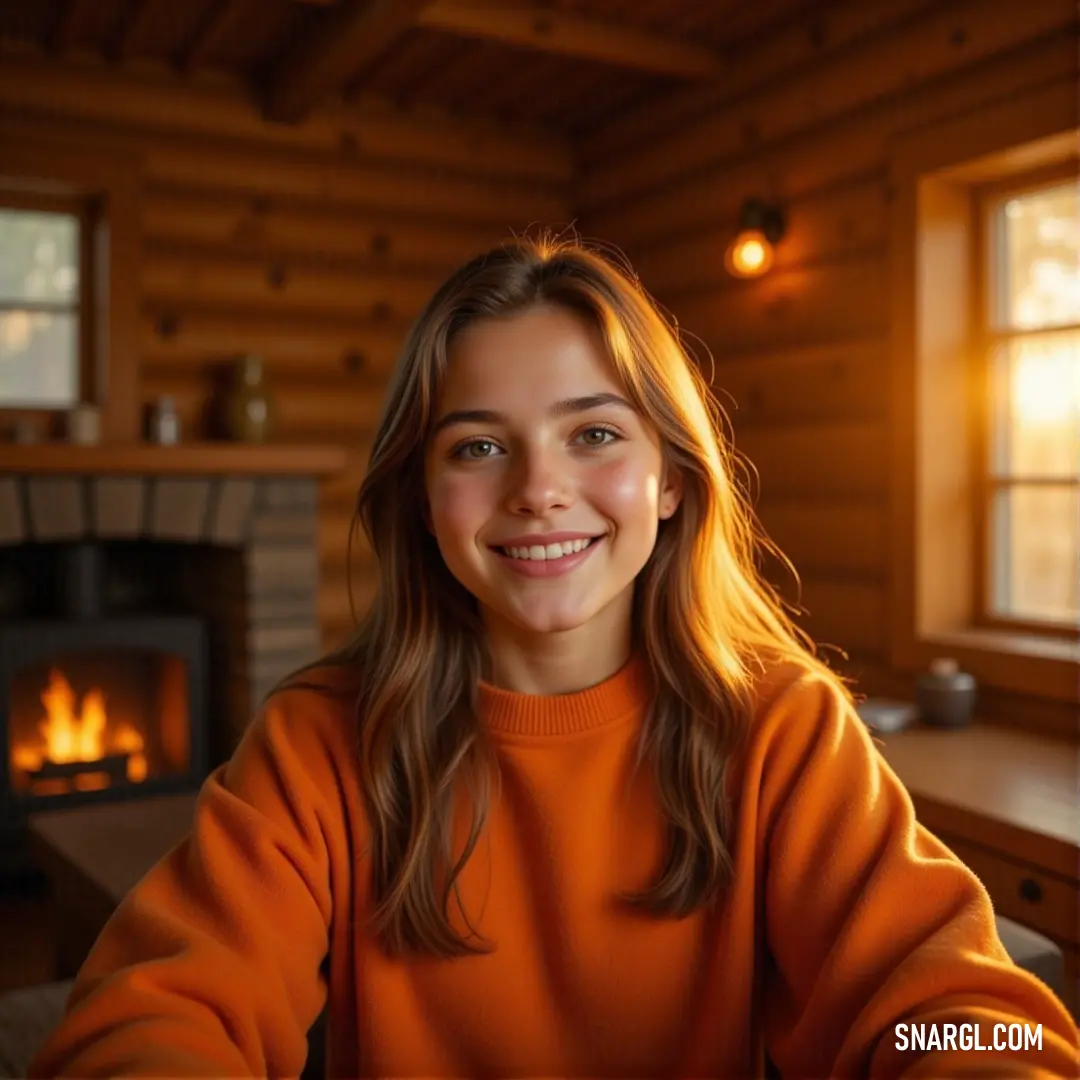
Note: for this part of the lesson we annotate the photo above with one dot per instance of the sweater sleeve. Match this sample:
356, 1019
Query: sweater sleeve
211, 965
872, 922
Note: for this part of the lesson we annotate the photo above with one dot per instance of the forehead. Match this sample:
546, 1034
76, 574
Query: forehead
546, 351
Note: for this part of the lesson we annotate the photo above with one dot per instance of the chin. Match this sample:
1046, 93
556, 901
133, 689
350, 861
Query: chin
541, 618
558, 626
553, 622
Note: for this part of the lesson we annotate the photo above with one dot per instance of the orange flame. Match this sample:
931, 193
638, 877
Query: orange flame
69, 735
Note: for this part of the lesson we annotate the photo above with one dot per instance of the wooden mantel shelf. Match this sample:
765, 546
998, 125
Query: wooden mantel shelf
191, 459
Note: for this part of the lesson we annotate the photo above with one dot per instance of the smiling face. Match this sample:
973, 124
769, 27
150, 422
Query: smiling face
535, 435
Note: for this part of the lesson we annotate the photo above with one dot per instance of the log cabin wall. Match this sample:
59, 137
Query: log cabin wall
313, 240
801, 354
311, 245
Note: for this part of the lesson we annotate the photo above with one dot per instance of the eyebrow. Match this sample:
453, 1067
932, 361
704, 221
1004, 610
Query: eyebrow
566, 407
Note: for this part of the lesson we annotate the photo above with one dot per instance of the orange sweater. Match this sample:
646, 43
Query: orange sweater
845, 918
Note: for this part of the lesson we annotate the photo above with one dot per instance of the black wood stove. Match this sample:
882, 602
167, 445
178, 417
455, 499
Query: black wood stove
95, 705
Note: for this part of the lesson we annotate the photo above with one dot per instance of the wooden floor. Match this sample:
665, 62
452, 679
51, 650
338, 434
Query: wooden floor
27, 945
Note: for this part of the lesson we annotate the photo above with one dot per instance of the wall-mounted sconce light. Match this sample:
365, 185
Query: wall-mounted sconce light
761, 226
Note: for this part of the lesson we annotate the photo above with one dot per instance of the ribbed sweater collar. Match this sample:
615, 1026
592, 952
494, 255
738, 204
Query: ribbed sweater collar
625, 692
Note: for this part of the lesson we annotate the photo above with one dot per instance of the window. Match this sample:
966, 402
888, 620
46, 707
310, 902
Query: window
984, 396
93, 315
42, 320
1029, 316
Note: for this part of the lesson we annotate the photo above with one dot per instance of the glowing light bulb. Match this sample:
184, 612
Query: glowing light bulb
749, 255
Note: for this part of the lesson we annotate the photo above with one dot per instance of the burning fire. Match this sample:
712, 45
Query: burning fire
83, 736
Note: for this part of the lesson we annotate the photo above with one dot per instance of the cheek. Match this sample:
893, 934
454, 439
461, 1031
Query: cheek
459, 504
628, 489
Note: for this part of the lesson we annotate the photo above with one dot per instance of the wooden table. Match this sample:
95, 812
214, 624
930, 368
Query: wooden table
1008, 804
94, 855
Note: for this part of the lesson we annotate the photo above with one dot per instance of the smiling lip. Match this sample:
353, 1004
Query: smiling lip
538, 568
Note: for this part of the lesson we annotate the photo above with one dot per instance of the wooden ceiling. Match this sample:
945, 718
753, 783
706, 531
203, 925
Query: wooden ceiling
568, 65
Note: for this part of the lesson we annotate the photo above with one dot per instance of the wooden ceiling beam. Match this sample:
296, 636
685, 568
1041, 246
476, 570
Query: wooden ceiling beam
221, 20
72, 23
526, 25
353, 35
128, 38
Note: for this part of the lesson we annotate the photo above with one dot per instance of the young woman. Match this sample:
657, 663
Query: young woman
578, 800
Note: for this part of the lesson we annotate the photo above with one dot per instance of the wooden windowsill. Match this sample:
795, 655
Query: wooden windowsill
1043, 667
1046, 647
190, 459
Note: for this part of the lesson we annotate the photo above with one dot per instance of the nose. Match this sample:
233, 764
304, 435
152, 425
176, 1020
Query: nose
539, 481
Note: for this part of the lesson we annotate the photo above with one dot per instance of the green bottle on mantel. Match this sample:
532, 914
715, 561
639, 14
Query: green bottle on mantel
249, 410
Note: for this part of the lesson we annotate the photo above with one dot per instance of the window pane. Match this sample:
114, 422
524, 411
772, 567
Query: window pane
39, 359
39, 257
1036, 406
1039, 253
1035, 554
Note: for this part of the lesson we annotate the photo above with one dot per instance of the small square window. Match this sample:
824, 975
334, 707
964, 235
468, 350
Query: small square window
1037, 261
40, 309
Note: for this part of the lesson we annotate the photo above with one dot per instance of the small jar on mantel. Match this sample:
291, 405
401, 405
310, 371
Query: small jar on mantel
164, 422
249, 410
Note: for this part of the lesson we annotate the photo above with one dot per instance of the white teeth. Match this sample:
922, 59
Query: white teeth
552, 551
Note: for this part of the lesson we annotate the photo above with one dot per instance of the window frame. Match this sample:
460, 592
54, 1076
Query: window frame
987, 197
85, 211
106, 181
933, 437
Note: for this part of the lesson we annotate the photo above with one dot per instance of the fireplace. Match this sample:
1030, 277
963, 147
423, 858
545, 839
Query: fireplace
150, 598
96, 705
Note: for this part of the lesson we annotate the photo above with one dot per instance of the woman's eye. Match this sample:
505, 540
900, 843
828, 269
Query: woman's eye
605, 432
466, 449
463, 450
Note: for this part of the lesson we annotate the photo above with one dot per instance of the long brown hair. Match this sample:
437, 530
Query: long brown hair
703, 616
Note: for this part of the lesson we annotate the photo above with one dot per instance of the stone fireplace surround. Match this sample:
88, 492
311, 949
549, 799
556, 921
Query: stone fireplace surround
255, 507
